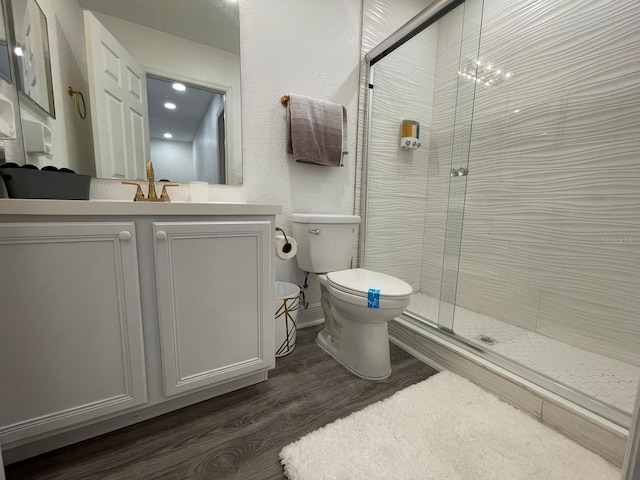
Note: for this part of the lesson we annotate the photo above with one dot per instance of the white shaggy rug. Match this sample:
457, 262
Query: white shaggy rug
444, 428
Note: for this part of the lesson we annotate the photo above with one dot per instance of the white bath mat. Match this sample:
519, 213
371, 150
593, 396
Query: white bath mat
445, 428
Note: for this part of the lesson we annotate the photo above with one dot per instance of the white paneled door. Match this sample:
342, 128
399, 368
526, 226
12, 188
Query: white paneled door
118, 92
70, 325
214, 301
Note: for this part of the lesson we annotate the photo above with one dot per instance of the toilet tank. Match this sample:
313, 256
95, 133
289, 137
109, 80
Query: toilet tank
325, 242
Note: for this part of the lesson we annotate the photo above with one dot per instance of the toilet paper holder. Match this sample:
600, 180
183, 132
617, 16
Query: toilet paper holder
287, 246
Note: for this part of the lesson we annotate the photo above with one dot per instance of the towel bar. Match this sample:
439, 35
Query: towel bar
284, 100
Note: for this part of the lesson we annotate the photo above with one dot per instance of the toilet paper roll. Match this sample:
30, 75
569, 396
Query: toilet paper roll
281, 242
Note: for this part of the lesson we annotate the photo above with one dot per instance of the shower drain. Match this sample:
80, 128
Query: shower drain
486, 339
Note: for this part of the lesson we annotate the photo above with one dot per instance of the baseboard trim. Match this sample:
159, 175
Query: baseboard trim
583, 427
311, 316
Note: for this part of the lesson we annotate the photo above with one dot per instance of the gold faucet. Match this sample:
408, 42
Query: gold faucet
152, 196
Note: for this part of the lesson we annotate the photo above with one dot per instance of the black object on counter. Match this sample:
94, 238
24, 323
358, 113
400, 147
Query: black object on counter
29, 182
9, 165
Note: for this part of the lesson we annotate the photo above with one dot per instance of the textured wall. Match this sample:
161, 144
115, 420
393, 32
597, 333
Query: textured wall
310, 48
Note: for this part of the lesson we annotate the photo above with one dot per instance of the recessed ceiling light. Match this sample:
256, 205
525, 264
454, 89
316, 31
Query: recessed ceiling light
18, 51
179, 86
167, 135
170, 106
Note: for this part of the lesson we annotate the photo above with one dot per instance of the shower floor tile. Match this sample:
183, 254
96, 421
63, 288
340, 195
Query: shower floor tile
606, 379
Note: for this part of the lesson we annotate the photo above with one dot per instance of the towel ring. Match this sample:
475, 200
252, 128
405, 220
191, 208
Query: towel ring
82, 112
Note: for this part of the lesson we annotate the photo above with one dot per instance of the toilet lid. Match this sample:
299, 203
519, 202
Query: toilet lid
359, 281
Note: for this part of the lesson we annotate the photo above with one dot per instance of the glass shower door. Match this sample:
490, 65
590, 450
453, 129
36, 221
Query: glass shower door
541, 254
426, 80
516, 222
414, 83
457, 131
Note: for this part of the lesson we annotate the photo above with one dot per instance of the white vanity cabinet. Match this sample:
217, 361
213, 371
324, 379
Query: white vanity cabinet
71, 345
115, 312
214, 291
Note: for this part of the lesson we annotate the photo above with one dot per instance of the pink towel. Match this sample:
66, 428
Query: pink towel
316, 131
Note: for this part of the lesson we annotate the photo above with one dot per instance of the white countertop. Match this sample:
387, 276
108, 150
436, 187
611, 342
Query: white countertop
16, 206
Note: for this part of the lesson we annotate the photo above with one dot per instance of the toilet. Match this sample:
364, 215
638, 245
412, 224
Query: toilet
357, 303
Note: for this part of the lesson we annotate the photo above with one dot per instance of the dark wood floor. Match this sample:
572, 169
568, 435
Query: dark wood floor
238, 435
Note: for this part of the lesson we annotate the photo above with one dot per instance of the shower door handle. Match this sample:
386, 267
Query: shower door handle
459, 172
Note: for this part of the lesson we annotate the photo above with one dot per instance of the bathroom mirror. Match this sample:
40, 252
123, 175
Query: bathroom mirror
31, 53
5, 58
107, 51
11, 146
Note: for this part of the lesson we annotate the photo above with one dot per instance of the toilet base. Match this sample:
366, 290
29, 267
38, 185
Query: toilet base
377, 368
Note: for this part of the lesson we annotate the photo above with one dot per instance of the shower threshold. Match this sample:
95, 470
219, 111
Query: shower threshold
608, 381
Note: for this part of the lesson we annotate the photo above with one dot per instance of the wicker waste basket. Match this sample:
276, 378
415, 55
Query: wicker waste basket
287, 297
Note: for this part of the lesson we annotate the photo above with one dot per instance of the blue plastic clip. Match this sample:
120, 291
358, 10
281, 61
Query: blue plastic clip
373, 299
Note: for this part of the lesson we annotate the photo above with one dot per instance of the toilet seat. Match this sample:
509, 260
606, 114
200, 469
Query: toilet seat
353, 286
363, 302
358, 281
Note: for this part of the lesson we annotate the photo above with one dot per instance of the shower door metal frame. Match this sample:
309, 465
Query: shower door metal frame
631, 467
413, 27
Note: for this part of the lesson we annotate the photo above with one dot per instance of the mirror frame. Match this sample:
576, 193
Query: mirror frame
47, 60
8, 26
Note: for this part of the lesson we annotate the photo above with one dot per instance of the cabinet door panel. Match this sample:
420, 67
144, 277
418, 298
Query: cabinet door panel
214, 287
71, 331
